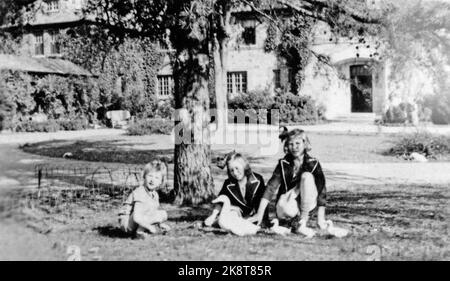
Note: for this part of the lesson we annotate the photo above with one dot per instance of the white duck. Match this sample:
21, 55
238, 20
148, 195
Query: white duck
281, 230
287, 206
335, 231
231, 221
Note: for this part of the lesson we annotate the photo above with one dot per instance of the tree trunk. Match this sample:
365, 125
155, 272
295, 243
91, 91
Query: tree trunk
220, 86
193, 181
220, 57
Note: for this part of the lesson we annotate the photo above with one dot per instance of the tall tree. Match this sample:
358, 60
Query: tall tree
418, 48
199, 30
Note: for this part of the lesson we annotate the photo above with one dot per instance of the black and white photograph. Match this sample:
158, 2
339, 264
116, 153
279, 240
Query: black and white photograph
224, 131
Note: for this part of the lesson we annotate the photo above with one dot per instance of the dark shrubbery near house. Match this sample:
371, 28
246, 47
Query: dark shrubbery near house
396, 114
252, 100
73, 125
440, 108
125, 80
34, 126
51, 125
163, 109
298, 109
422, 142
150, 126
292, 108
403, 114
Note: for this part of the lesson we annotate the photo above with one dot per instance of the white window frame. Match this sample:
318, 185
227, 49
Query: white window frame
164, 86
53, 6
237, 82
39, 42
54, 42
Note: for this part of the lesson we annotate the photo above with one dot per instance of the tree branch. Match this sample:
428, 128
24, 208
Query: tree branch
307, 10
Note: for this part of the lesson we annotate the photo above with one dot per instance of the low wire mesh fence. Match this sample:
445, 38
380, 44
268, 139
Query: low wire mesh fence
61, 188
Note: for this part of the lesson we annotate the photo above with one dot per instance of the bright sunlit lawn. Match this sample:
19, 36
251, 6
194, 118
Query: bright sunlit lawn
386, 222
391, 222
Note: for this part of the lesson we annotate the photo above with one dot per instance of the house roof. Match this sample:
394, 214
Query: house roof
41, 65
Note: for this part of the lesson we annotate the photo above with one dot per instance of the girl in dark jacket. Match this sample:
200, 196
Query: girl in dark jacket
298, 176
243, 187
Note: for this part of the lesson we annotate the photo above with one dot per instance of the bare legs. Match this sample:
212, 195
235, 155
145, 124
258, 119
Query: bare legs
307, 191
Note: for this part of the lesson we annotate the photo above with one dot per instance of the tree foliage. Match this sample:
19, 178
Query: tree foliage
418, 38
417, 45
126, 69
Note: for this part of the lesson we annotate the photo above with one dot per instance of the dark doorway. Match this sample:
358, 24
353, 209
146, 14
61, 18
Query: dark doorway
361, 88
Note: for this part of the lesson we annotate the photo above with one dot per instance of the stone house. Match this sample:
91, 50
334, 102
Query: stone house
353, 86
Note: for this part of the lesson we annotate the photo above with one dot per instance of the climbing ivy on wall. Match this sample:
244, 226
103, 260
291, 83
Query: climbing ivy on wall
58, 97
126, 69
294, 37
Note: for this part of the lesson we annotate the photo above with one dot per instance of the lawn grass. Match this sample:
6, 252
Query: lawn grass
401, 222
327, 147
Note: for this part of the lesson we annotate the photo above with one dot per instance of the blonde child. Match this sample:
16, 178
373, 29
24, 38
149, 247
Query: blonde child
141, 211
298, 176
243, 187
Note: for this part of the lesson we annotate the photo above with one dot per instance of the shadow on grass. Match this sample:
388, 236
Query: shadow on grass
189, 214
98, 151
114, 151
112, 232
416, 204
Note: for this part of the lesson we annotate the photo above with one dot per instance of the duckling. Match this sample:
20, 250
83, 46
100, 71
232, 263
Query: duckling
335, 231
287, 206
231, 221
281, 230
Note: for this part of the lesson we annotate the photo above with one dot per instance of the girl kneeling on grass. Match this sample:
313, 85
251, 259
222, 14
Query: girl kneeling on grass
299, 177
243, 188
141, 211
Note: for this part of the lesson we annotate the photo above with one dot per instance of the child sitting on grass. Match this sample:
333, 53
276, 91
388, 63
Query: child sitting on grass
243, 187
141, 211
298, 176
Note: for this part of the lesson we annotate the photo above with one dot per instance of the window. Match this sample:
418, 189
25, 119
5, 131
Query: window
236, 82
39, 43
165, 85
249, 35
291, 81
78, 4
276, 79
54, 42
162, 46
53, 6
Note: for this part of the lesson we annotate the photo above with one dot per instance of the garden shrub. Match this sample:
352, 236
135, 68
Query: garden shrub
7, 108
73, 125
292, 108
439, 105
252, 100
403, 113
164, 109
34, 126
396, 114
150, 126
421, 142
257, 100
298, 109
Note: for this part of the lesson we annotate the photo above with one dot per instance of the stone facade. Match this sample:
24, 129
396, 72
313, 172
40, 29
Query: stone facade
250, 68
52, 18
329, 85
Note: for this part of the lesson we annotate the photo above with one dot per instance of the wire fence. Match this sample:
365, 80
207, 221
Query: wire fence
65, 187
108, 177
